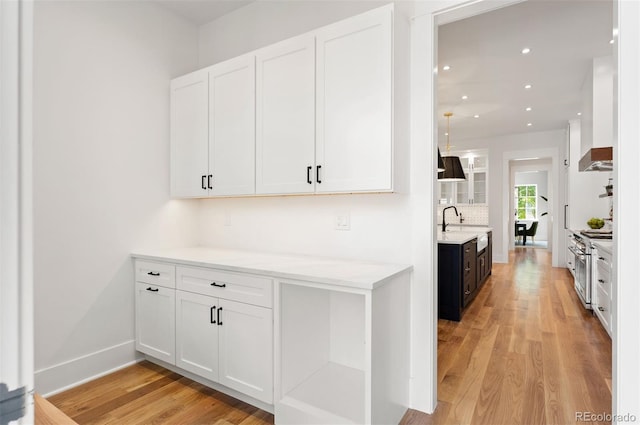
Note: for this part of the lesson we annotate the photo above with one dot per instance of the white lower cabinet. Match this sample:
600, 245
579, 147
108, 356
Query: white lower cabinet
155, 321
197, 334
602, 296
213, 323
245, 349
311, 340
227, 342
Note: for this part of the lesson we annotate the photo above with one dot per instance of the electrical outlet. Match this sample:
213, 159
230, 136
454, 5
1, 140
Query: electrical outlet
343, 221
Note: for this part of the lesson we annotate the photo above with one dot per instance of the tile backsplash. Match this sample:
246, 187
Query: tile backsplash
472, 214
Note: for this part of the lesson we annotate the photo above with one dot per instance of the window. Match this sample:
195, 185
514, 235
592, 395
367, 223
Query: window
525, 201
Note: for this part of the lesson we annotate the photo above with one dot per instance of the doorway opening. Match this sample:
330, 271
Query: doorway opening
502, 81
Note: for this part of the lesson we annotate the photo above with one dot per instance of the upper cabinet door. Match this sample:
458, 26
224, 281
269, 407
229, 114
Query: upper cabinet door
232, 126
354, 140
285, 117
189, 135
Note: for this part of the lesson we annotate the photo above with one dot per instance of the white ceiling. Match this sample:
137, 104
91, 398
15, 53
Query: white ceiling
202, 11
484, 53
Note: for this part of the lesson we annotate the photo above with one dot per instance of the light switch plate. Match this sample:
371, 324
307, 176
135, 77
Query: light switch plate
343, 221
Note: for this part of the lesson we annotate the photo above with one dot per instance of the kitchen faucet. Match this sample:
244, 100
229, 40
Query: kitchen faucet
444, 223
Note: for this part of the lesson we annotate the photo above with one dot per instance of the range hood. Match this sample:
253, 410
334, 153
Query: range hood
597, 159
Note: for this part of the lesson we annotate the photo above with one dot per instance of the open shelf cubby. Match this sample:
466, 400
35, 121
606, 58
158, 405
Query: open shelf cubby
342, 352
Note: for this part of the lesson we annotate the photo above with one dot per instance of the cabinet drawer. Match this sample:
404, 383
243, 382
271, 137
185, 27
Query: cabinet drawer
603, 279
240, 287
160, 274
603, 308
603, 259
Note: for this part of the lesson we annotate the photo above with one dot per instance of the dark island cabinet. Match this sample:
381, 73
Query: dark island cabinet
457, 280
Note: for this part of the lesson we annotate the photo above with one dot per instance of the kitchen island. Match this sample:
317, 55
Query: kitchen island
465, 256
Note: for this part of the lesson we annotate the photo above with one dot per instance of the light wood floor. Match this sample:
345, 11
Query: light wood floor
525, 352
149, 394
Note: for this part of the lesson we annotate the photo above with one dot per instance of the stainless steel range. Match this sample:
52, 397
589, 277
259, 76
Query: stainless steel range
581, 249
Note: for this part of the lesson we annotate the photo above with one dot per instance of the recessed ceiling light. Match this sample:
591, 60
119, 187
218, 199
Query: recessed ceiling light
446, 134
465, 97
612, 41
579, 113
528, 86
529, 124
526, 50
446, 68
528, 108
476, 116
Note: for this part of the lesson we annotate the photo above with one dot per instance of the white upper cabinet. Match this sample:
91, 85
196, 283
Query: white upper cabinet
354, 140
285, 117
189, 135
312, 114
231, 127
212, 131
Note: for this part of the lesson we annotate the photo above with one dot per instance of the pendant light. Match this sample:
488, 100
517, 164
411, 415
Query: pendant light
453, 171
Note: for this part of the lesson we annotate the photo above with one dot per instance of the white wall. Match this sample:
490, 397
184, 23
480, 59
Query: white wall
101, 175
262, 23
538, 178
497, 148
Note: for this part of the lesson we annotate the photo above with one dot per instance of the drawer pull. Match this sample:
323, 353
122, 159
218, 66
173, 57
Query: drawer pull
219, 321
600, 280
213, 321
600, 308
209, 177
224, 285
318, 167
466, 269
309, 174
152, 289
467, 292
601, 258
202, 185
154, 273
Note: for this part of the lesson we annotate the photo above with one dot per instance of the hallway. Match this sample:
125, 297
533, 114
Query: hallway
525, 352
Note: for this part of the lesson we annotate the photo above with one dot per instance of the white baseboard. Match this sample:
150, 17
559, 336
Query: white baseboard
61, 377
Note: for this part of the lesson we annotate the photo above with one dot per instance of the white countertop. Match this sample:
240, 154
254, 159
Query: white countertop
459, 235
603, 244
349, 273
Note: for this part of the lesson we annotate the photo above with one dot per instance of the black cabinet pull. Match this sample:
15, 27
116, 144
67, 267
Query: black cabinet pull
600, 280
224, 285
219, 321
152, 289
318, 174
309, 174
600, 258
154, 273
213, 321
209, 177
202, 183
